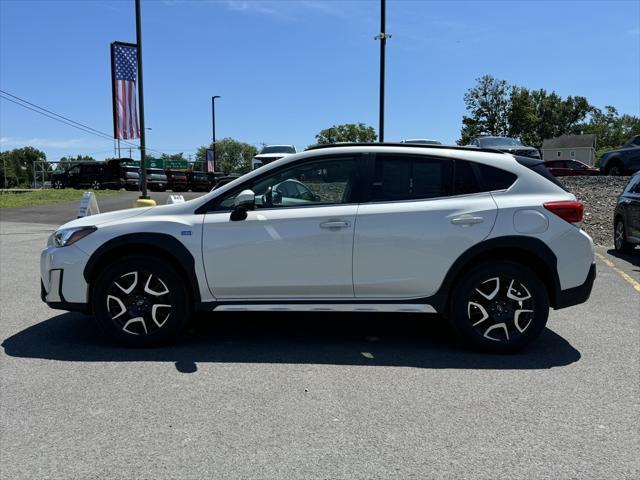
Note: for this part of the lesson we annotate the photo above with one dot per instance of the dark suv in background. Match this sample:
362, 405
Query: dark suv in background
505, 144
112, 174
176, 180
198, 182
626, 219
624, 160
156, 179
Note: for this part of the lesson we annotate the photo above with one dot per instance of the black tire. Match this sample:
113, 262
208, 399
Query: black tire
133, 288
510, 323
96, 185
58, 184
616, 169
620, 237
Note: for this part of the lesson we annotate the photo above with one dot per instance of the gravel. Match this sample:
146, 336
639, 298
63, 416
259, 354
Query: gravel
599, 196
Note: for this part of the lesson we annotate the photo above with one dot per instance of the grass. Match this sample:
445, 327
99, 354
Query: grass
46, 197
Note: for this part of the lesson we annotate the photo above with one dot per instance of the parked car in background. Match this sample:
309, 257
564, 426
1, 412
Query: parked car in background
131, 176
176, 180
626, 217
112, 174
561, 168
487, 240
221, 181
198, 182
505, 144
422, 141
270, 153
622, 161
156, 179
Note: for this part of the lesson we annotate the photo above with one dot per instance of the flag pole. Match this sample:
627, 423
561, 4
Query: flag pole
143, 171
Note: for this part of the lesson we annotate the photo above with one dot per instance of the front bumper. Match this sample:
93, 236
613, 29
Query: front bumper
62, 284
576, 295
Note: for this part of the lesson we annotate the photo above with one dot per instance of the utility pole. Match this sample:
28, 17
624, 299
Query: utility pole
213, 128
383, 43
143, 172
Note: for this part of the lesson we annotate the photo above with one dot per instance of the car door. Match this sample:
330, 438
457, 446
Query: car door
287, 249
417, 221
632, 154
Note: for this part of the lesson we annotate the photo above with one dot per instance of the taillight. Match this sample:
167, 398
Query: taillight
569, 211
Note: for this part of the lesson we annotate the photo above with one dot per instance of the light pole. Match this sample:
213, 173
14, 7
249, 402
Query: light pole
213, 128
143, 171
383, 43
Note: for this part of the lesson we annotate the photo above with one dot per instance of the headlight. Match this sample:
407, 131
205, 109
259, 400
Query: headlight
69, 236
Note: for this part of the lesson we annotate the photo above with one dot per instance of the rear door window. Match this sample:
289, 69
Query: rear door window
404, 177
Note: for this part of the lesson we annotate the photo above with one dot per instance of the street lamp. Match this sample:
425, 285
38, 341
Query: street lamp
383, 36
143, 172
213, 128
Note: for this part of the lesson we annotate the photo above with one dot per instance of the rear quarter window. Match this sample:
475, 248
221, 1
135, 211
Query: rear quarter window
537, 166
471, 177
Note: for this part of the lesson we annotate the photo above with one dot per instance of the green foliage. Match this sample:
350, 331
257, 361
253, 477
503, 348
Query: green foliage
16, 166
497, 108
612, 130
488, 105
232, 156
348, 132
68, 162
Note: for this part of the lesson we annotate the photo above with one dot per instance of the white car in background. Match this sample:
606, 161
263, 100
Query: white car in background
486, 239
270, 153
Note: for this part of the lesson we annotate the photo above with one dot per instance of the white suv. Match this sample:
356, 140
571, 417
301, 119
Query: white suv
486, 239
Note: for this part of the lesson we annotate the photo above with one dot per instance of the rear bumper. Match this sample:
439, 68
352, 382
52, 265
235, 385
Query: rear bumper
576, 295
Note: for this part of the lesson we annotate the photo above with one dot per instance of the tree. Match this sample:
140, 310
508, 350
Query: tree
488, 104
232, 156
17, 165
611, 129
348, 132
496, 108
68, 162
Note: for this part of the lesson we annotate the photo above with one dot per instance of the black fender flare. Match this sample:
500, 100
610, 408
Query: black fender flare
160, 242
530, 246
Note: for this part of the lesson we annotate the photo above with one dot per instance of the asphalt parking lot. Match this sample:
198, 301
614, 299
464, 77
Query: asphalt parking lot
312, 396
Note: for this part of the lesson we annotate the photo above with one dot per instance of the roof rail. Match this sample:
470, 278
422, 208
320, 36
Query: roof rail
405, 145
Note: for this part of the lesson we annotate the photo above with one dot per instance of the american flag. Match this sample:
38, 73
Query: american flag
125, 104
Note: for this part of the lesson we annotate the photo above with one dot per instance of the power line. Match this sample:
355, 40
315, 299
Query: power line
65, 120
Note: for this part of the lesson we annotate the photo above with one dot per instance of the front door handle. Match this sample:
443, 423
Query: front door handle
466, 220
334, 224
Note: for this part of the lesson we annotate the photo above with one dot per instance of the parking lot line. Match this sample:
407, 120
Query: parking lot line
628, 278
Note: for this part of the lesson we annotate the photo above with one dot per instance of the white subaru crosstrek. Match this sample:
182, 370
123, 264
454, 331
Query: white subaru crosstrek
488, 240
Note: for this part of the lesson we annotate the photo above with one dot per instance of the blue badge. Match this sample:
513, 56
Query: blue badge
186, 232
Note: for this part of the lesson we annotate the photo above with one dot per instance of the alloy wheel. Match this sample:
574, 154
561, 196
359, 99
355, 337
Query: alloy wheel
500, 308
96, 185
619, 235
139, 303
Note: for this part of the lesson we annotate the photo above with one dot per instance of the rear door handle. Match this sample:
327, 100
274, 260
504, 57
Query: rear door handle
466, 220
334, 224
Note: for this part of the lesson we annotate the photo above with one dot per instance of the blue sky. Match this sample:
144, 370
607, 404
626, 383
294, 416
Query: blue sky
287, 69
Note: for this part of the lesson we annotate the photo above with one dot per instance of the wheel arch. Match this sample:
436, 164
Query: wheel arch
160, 245
528, 251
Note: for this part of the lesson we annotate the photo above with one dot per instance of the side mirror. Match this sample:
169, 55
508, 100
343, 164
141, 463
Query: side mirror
244, 201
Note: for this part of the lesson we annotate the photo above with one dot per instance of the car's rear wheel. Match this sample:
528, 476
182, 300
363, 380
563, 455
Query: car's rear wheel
141, 300
499, 307
58, 184
620, 237
96, 185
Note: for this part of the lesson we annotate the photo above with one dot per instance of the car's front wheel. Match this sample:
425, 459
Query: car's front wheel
141, 300
499, 306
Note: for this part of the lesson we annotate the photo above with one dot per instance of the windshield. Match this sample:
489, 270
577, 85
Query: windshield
278, 149
489, 142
